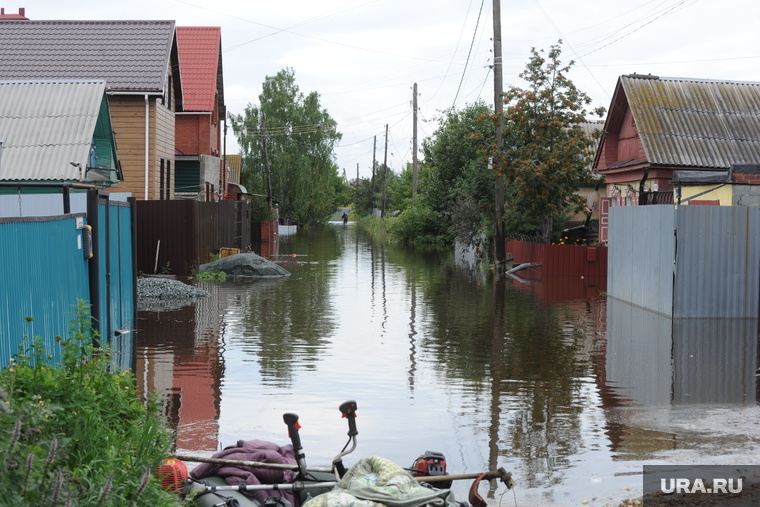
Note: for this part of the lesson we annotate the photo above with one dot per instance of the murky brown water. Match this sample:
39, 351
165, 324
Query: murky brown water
570, 392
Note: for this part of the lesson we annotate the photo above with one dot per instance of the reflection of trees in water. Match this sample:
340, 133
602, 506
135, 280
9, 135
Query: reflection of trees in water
534, 382
289, 322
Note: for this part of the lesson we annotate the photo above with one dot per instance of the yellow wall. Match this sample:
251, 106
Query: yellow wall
723, 194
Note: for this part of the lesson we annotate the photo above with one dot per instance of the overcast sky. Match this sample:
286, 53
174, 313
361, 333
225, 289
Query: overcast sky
363, 56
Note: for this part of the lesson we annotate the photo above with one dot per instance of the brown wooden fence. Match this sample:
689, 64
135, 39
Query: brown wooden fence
175, 237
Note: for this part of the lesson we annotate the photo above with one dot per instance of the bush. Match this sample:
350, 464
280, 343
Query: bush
76, 433
420, 225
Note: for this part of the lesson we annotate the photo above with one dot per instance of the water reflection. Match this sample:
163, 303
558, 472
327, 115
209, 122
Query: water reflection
546, 377
655, 360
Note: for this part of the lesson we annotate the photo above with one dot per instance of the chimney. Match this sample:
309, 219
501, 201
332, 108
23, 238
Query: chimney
21, 14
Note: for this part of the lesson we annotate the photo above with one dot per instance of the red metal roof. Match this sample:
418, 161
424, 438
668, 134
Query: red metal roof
200, 64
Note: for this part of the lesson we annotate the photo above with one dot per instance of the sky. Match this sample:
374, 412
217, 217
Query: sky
363, 57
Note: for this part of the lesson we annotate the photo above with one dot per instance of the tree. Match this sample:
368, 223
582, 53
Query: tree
458, 186
546, 151
291, 134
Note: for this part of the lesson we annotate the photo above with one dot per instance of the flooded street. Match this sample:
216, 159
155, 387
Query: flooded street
569, 391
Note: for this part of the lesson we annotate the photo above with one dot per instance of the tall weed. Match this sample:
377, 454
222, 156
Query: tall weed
76, 432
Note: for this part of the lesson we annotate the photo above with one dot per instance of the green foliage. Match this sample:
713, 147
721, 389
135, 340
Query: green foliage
548, 155
214, 276
419, 225
341, 192
300, 138
455, 181
361, 196
377, 228
76, 433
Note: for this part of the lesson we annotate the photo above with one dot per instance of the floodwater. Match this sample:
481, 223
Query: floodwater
569, 391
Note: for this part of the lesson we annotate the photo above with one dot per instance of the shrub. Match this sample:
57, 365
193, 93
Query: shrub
76, 433
420, 225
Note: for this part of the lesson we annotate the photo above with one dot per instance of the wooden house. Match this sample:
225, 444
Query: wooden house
201, 172
57, 131
658, 125
139, 62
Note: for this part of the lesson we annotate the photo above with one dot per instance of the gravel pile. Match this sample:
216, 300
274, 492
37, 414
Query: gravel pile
167, 288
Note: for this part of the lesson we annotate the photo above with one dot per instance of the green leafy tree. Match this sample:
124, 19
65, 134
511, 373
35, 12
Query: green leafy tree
361, 195
457, 185
292, 135
547, 151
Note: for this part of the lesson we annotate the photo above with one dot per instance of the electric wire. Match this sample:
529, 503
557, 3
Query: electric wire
469, 53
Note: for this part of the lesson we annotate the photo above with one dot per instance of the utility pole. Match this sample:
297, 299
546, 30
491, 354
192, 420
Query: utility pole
498, 161
357, 172
385, 171
415, 164
372, 190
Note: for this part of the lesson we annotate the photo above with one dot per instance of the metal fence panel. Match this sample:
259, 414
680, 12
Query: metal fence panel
175, 237
687, 262
44, 274
641, 254
718, 262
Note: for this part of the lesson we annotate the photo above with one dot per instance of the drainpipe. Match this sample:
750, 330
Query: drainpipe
93, 265
644, 177
147, 144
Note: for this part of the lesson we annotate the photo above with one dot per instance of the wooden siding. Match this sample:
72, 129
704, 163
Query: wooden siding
629, 145
163, 142
128, 117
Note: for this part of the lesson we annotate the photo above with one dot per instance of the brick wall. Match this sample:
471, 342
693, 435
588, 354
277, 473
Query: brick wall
197, 134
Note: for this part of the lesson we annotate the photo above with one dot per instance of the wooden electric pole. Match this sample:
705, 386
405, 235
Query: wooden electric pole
372, 189
498, 161
415, 166
385, 171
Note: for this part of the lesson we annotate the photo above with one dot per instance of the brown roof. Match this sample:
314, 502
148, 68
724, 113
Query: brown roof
132, 56
200, 61
691, 122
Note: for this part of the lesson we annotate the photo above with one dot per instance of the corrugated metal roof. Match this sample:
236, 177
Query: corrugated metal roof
200, 60
47, 125
695, 122
132, 56
591, 128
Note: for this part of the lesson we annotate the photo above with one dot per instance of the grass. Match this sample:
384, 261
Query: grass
76, 432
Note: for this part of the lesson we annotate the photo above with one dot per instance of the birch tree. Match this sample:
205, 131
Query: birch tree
292, 135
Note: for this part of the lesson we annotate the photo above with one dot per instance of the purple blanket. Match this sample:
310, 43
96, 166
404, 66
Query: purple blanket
253, 450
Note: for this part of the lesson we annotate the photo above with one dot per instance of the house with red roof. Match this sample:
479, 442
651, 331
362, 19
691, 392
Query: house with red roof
201, 173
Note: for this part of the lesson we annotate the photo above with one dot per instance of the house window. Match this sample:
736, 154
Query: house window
161, 181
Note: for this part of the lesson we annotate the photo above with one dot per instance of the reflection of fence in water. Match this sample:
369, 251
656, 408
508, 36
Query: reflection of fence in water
654, 360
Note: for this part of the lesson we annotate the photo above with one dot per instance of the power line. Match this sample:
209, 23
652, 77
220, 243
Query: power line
464, 71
